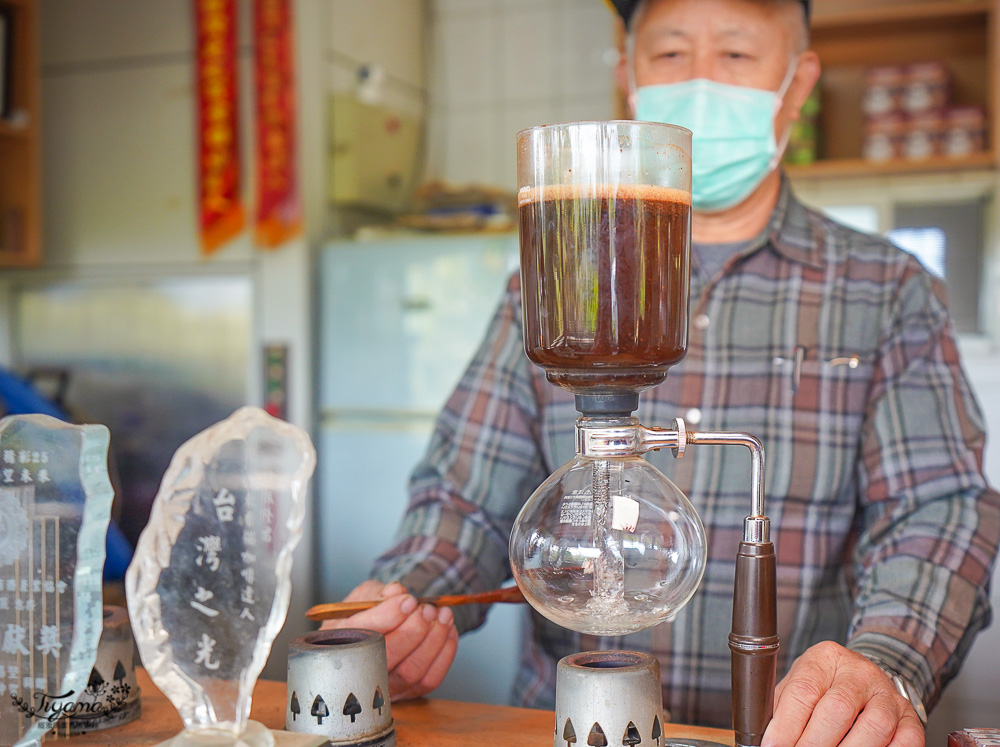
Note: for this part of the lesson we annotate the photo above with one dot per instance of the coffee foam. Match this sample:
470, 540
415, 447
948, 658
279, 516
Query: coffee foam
649, 192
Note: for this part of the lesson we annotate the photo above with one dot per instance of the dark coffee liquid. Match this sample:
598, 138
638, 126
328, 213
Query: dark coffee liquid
604, 284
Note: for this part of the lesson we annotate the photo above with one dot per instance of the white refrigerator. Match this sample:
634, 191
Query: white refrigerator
399, 321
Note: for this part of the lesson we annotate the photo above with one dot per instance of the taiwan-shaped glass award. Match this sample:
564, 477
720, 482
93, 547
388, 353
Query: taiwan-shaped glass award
209, 584
55, 504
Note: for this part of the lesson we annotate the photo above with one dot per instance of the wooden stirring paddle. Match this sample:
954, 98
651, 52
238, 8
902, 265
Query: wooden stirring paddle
337, 610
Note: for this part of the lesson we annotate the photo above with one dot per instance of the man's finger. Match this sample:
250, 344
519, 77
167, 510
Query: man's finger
778, 688
414, 668
910, 731
374, 590
404, 640
875, 725
792, 710
384, 618
836, 711
438, 669
886, 720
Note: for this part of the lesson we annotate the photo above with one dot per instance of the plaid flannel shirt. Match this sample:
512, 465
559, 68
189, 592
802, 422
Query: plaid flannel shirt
884, 527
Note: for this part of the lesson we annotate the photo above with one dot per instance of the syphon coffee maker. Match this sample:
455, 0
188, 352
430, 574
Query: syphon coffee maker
607, 545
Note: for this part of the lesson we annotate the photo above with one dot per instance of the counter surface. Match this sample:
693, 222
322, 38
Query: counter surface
419, 723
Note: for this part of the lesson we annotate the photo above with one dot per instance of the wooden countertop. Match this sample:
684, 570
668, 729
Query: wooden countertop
419, 723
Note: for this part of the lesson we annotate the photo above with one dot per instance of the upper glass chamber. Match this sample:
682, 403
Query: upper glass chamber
605, 230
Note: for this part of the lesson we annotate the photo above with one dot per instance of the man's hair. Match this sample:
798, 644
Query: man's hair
801, 23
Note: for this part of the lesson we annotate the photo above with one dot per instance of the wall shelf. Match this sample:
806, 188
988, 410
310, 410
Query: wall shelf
842, 168
829, 15
851, 36
13, 130
20, 142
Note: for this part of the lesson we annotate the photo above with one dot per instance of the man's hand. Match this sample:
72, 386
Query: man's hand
420, 641
835, 696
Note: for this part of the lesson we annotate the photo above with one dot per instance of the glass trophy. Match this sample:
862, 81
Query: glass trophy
55, 504
209, 584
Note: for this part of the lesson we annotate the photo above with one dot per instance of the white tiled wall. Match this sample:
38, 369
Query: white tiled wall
118, 129
118, 30
384, 32
388, 35
498, 66
375, 51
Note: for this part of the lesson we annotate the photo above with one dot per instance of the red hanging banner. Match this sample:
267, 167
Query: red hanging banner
220, 206
279, 210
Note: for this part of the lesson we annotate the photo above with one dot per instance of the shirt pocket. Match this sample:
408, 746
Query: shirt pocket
816, 382
816, 429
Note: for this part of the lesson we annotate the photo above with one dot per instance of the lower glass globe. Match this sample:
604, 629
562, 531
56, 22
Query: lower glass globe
608, 547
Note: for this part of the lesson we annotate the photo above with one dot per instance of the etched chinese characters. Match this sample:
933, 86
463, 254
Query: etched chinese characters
20, 596
24, 467
55, 503
209, 586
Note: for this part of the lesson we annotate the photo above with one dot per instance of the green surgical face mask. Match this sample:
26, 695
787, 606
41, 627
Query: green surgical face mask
733, 144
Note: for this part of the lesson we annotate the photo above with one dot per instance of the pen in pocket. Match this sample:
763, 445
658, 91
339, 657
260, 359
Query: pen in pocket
798, 356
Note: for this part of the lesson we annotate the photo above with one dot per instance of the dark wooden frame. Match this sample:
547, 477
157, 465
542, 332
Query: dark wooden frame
6, 60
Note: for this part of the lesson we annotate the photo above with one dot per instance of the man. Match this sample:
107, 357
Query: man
833, 347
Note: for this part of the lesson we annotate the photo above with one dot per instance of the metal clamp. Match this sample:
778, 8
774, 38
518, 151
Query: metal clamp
606, 439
